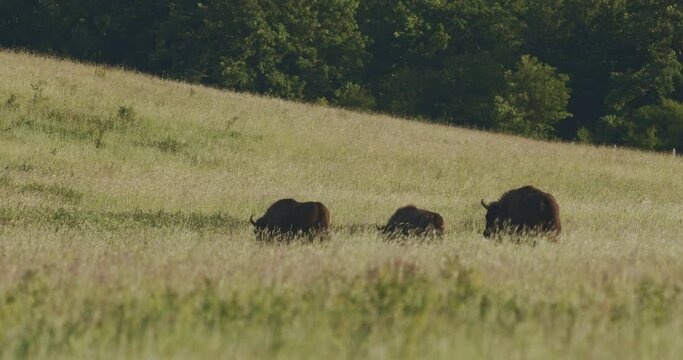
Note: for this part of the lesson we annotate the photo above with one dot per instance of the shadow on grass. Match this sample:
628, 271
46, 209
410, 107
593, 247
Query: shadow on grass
61, 192
353, 229
85, 219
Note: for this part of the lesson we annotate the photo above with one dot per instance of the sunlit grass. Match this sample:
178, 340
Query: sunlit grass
124, 233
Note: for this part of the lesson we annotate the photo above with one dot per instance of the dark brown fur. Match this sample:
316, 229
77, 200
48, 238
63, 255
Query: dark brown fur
288, 217
409, 220
526, 209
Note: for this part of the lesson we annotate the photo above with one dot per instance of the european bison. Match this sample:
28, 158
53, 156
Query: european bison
288, 217
410, 220
526, 209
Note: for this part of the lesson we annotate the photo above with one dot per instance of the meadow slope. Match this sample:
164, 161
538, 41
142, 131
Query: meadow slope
124, 233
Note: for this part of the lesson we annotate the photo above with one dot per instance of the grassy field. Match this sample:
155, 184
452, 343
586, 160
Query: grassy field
124, 233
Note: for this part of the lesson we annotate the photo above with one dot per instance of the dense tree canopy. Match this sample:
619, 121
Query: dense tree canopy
534, 101
607, 71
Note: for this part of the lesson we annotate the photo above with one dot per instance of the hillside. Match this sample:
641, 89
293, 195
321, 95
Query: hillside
123, 231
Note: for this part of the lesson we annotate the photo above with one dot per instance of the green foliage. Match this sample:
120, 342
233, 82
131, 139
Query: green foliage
405, 91
615, 129
441, 60
354, 96
652, 127
535, 100
584, 136
654, 70
660, 126
236, 74
653, 82
289, 49
620, 56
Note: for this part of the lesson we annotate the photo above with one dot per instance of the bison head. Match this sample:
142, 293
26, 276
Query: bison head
260, 227
259, 224
493, 213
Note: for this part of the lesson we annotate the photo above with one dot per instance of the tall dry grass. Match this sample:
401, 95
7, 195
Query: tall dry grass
123, 231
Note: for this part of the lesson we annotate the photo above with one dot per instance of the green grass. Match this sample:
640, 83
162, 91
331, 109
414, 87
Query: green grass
124, 233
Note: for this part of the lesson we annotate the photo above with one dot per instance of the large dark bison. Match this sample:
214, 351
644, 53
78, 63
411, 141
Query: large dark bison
287, 218
411, 221
523, 210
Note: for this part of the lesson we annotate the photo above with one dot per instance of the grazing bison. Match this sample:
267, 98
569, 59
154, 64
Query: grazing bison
526, 209
410, 220
288, 217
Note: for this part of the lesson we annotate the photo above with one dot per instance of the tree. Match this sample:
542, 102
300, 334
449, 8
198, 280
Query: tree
534, 101
443, 60
659, 127
653, 71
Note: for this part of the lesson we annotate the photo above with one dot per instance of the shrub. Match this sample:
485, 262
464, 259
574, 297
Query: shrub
354, 96
651, 127
535, 100
659, 127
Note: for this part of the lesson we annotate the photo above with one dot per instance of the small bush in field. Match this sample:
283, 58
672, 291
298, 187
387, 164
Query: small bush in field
12, 102
126, 114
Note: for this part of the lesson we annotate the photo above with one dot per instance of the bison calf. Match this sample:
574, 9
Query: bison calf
410, 220
526, 209
287, 218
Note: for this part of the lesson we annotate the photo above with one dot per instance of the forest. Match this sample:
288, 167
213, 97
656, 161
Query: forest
601, 72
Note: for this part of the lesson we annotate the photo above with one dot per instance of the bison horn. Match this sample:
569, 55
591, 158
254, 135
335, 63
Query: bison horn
251, 220
484, 204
